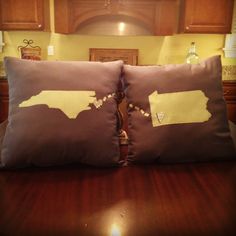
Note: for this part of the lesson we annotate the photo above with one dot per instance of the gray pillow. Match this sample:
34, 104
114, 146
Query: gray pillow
177, 113
61, 112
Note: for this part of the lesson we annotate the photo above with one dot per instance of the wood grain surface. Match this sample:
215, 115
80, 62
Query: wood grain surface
183, 199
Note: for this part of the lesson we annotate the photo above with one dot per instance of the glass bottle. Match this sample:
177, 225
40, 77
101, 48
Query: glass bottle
192, 57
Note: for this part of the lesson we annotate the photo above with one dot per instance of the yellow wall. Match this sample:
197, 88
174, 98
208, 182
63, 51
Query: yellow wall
152, 49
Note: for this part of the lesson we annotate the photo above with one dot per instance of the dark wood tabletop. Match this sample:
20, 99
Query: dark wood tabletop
157, 200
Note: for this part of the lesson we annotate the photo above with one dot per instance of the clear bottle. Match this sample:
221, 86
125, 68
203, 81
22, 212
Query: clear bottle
192, 57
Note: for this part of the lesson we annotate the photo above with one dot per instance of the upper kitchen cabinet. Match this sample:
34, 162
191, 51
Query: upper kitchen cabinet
159, 17
206, 16
24, 15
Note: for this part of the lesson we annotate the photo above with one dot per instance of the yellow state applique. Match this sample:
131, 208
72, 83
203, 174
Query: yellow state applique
71, 103
178, 108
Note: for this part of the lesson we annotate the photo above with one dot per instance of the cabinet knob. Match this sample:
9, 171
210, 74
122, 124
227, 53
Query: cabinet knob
226, 92
39, 25
187, 28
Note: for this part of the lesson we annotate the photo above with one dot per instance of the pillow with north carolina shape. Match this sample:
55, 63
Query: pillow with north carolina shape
177, 113
61, 112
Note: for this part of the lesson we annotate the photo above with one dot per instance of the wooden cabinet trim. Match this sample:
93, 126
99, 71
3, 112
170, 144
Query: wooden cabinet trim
129, 56
159, 17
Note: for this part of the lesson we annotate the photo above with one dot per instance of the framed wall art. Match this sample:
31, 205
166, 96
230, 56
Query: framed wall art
29, 51
129, 56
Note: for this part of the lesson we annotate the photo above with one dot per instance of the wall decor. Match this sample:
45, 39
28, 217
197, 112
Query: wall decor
30, 52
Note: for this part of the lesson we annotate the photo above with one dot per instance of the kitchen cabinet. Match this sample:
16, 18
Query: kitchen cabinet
229, 88
24, 15
4, 99
206, 16
158, 16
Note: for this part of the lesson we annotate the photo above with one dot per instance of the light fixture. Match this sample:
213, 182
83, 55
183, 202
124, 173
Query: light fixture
115, 230
121, 26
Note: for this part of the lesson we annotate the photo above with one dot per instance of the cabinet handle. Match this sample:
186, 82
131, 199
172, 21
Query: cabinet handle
187, 28
39, 26
226, 92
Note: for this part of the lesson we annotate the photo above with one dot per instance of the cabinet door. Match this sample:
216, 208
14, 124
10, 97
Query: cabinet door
22, 14
206, 16
159, 17
69, 15
229, 88
4, 99
4, 109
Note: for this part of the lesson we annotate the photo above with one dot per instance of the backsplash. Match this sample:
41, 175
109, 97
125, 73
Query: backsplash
229, 72
2, 71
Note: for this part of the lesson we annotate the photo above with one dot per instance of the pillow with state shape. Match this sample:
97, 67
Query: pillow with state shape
177, 113
61, 113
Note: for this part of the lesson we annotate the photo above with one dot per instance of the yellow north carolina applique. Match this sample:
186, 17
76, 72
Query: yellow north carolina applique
71, 103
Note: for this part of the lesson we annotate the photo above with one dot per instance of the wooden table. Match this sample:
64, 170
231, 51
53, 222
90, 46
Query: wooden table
158, 200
